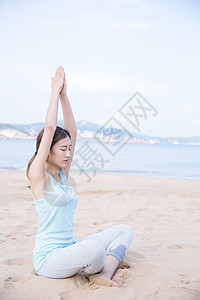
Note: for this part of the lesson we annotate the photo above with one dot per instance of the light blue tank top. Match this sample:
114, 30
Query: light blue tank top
56, 213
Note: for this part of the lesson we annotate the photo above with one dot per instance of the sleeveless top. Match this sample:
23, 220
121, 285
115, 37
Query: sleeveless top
55, 212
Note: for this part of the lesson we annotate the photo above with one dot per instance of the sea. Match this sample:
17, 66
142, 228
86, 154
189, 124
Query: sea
92, 157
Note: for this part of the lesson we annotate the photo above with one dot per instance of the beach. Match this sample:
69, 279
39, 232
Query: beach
163, 256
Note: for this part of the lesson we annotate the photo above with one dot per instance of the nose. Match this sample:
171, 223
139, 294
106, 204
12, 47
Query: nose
67, 154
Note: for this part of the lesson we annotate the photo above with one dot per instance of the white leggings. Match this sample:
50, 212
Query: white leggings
88, 253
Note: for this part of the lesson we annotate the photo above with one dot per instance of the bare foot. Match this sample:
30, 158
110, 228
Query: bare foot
102, 280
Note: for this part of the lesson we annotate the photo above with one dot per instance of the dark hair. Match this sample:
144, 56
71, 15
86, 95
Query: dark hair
59, 134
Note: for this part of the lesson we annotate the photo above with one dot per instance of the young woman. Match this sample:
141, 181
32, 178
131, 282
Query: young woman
56, 253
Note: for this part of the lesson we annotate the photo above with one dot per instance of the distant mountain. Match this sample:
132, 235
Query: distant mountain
86, 131
11, 131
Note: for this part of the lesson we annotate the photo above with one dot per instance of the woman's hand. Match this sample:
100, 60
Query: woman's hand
57, 81
63, 91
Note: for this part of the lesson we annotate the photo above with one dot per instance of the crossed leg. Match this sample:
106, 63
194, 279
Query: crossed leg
116, 241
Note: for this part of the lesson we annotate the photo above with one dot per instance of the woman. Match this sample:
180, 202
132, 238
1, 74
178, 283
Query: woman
56, 253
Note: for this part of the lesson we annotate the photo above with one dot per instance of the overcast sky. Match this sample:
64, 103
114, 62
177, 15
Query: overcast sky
109, 49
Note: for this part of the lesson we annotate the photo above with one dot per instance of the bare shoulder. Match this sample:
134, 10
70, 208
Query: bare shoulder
40, 186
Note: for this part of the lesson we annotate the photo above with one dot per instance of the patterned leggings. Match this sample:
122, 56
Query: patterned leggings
88, 253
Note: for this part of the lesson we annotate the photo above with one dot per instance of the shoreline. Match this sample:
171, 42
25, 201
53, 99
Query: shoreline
110, 173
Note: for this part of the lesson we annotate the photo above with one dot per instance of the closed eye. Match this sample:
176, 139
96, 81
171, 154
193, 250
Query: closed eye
64, 150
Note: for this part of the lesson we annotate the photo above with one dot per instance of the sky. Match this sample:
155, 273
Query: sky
109, 49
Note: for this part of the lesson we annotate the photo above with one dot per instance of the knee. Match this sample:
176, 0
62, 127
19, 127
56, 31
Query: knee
127, 229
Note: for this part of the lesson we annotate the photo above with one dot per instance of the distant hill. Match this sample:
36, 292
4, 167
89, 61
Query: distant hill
86, 131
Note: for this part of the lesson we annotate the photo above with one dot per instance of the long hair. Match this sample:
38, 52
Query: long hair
59, 134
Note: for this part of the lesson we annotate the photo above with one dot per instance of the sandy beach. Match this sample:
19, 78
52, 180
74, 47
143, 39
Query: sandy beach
164, 254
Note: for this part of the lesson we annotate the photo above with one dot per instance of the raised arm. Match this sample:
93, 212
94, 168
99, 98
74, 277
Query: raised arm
69, 122
37, 169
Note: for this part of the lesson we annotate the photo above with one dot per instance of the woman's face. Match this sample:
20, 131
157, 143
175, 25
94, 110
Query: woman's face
60, 152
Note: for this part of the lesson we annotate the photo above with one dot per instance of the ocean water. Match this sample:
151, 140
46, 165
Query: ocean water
159, 160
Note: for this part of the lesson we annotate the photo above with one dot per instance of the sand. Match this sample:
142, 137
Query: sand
164, 255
